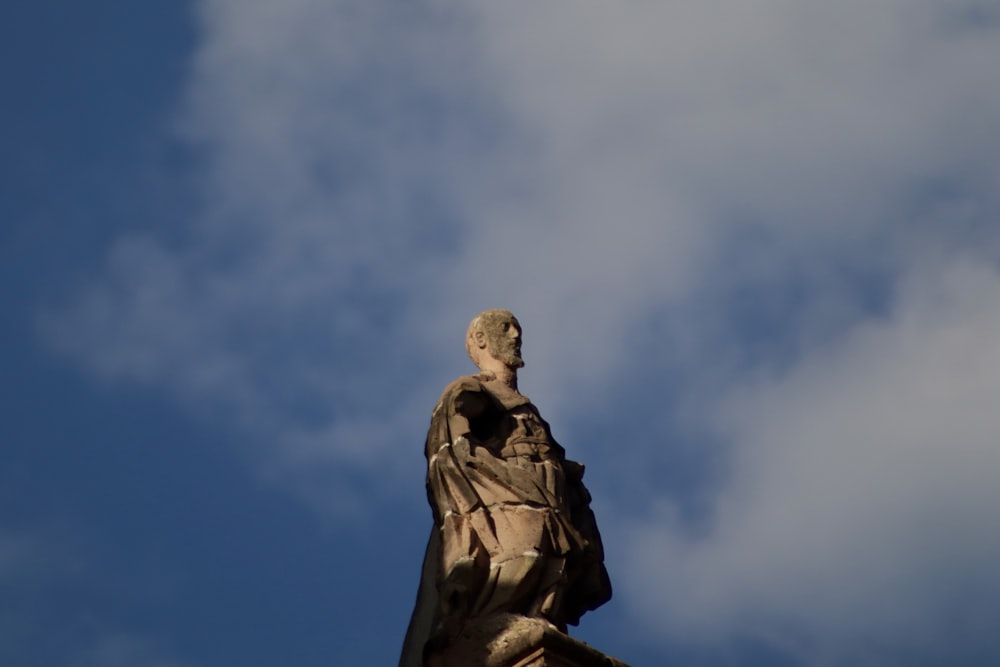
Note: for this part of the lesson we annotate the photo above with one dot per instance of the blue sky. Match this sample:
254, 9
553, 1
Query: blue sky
754, 245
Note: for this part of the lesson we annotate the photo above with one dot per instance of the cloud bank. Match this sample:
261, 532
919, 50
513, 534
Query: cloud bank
785, 213
855, 522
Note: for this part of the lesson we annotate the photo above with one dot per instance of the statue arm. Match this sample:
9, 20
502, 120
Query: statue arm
462, 561
448, 448
466, 406
471, 403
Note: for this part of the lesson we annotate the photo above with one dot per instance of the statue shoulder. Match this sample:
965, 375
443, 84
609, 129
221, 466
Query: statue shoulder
463, 385
463, 390
482, 390
463, 399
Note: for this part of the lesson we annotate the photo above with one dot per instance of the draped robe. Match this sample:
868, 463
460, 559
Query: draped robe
513, 530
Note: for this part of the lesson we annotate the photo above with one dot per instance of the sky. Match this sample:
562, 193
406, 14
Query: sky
754, 246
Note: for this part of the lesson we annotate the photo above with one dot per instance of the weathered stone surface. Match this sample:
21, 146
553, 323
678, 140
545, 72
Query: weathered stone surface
507, 640
513, 532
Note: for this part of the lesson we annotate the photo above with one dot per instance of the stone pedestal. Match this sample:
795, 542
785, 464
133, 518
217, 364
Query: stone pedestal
515, 641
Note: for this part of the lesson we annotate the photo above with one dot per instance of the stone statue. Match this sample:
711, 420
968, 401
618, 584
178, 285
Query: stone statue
513, 531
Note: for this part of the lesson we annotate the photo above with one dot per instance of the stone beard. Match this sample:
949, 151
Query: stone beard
513, 531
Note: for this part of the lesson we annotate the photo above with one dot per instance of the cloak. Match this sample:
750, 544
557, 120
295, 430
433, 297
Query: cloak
513, 531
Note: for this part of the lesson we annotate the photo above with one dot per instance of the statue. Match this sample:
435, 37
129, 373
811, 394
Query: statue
513, 531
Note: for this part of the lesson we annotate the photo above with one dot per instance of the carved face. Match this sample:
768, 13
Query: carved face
496, 333
504, 341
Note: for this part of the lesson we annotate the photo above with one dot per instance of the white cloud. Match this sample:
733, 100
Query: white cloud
662, 143
859, 513
620, 175
296, 286
785, 113
374, 172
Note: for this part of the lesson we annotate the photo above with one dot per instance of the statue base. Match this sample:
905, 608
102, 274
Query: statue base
505, 640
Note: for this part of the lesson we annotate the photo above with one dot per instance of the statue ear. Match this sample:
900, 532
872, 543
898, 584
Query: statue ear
480, 339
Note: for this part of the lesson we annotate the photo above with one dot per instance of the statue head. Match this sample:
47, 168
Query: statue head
494, 334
